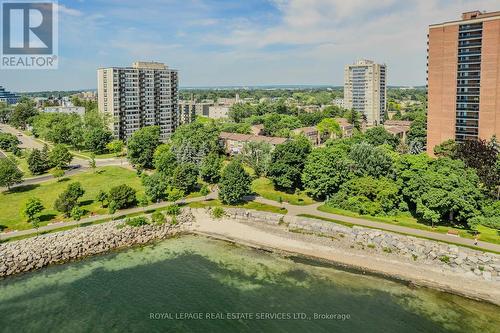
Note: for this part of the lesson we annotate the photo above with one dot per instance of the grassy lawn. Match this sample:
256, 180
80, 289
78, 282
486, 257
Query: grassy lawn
22, 164
264, 187
486, 234
87, 154
12, 203
249, 205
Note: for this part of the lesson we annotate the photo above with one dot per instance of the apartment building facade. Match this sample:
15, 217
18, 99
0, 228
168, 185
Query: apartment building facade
8, 97
189, 110
145, 94
463, 79
365, 90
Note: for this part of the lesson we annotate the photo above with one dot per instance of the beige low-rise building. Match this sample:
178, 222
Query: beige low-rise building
345, 127
218, 112
233, 143
311, 133
399, 128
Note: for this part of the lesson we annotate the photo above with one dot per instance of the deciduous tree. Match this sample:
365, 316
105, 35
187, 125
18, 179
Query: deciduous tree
326, 169
68, 199
287, 163
141, 146
185, 177
9, 173
234, 183
60, 157
210, 168
122, 196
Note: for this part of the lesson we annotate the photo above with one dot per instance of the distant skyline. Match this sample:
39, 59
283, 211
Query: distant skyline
243, 43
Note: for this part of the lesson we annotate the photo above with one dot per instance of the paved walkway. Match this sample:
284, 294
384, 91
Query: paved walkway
55, 226
293, 210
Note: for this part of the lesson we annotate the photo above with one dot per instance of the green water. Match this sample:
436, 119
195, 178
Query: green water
166, 288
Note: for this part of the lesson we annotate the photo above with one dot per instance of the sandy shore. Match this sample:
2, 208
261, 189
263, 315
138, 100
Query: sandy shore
277, 238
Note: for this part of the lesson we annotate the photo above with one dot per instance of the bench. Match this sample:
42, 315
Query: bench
453, 233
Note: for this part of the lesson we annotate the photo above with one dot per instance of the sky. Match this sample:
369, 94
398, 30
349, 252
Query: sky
242, 42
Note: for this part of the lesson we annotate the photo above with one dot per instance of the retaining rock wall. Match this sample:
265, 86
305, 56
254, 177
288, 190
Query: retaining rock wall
469, 262
37, 252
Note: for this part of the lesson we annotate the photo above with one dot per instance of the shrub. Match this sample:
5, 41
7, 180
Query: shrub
173, 210
204, 191
112, 207
445, 259
77, 213
158, 218
123, 196
175, 194
174, 221
218, 212
136, 221
68, 199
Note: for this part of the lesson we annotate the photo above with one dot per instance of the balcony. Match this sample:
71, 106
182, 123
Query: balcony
470, 35
466, 44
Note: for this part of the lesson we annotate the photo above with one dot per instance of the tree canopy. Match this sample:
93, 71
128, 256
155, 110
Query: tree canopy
287, 163
234, 183
142, 145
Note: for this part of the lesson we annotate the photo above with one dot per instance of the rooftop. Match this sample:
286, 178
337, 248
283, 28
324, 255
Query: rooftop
149, 65
396, 129
306, 130
471, 17
343, 122
402, 123
249, 137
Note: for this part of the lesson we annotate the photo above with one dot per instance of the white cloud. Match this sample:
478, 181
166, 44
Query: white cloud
335, 32
68, 11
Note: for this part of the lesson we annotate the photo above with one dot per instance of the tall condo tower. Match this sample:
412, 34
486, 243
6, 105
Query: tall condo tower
463, 78
145, 94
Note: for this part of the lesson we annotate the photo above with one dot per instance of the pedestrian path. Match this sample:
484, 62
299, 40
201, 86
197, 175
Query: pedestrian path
292, 210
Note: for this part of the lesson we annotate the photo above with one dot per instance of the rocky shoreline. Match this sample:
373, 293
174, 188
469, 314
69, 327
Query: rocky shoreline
471, 263
467, 272
60, 247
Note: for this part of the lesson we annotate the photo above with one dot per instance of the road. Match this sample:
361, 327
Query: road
78, 164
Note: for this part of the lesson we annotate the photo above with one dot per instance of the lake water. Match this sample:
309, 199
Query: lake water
194, 284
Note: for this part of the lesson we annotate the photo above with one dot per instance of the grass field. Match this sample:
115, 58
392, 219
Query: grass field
12, 203
22, 164
486, 234
264, 187
85, 154
248, 205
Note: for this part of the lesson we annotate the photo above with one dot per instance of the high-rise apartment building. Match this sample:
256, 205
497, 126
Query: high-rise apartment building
145, 94
464, 79
365, 90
